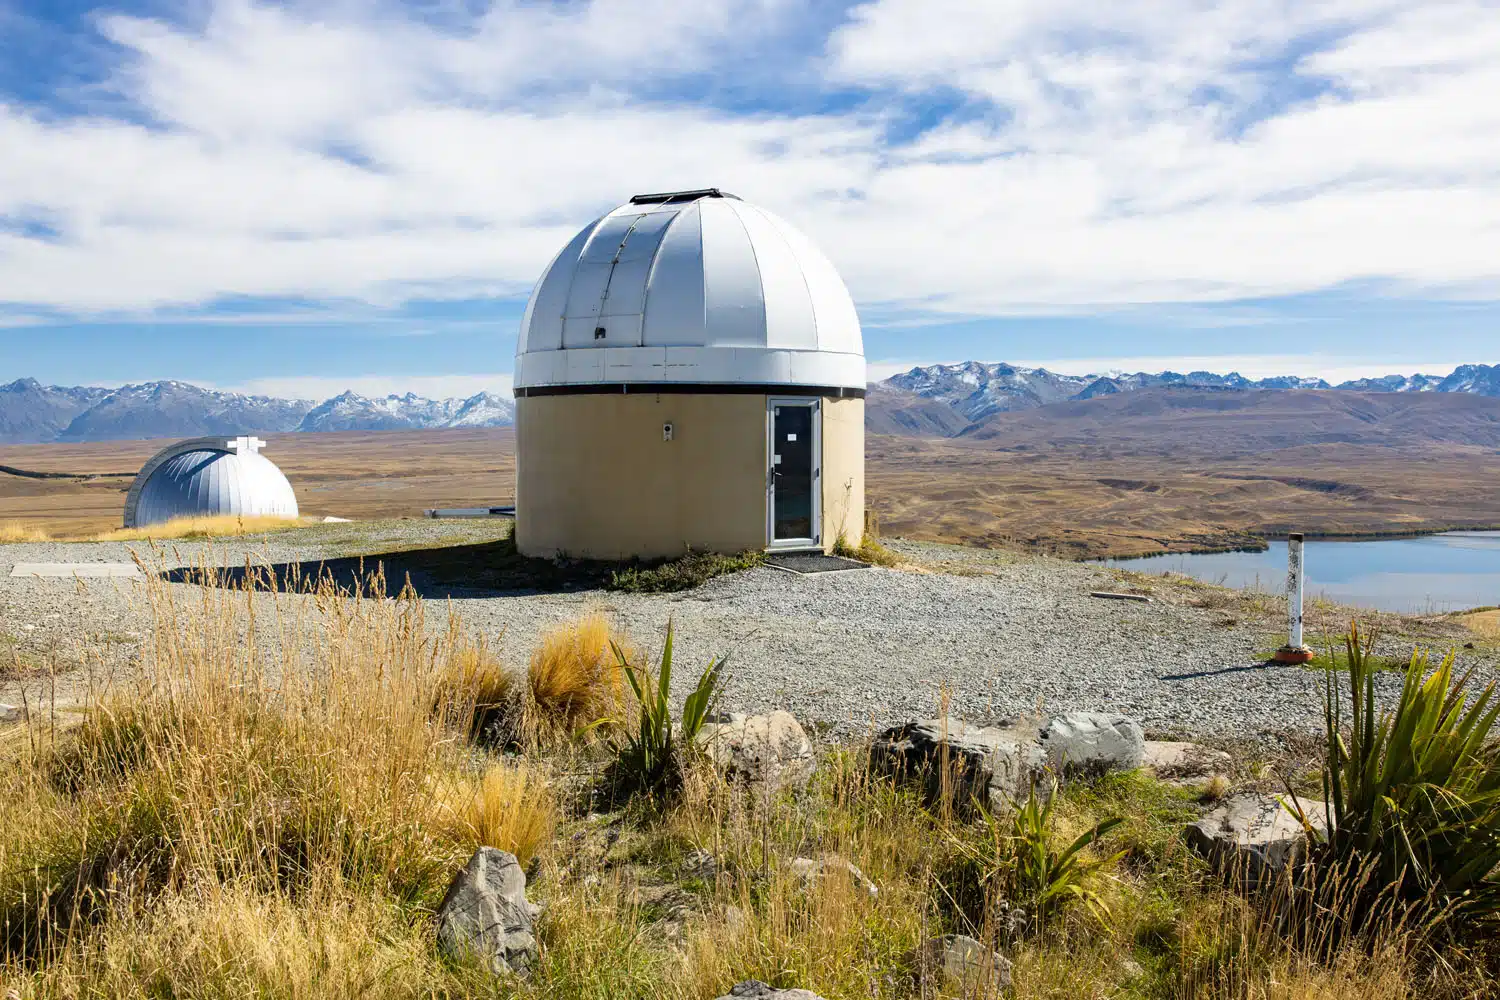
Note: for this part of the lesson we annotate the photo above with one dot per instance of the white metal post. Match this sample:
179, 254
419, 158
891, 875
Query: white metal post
1294, 651
1294, 588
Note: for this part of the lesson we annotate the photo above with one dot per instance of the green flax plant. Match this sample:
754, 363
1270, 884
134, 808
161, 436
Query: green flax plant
1018, 866
1413, 802
649, 758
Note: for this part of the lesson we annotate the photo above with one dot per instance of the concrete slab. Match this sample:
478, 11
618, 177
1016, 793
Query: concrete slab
122, 571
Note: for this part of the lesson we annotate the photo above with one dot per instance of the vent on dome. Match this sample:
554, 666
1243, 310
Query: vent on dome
667, 197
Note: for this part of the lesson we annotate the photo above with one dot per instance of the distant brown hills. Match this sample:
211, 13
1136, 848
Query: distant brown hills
1185, 468
1229, 423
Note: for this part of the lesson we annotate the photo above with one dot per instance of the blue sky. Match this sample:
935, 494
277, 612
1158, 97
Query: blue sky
300, 197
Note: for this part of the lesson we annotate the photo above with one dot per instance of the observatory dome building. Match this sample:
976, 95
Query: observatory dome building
209, 477
689, 375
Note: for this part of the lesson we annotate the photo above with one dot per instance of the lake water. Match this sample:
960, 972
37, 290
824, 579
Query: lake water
1448, 572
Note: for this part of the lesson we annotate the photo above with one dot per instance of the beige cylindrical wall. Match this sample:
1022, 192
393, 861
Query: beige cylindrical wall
596, 479
843, 471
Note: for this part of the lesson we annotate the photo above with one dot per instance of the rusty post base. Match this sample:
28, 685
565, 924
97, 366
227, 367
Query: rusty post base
1293, 654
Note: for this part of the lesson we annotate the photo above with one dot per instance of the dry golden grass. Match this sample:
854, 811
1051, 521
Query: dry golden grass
222, 526
509, 806
20, 531
227, 941
478, 686
573, 680
267, 747
1483, 623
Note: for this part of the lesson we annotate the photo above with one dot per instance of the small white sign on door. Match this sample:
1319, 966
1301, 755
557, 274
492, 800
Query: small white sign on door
791, 437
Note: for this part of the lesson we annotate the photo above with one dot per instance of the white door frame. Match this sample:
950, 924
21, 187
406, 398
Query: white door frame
815, 404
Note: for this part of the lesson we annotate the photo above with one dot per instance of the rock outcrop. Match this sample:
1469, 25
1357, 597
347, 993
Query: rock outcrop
988, 765
1252, 835
768, 752
1093, 743
486, 915
995, 765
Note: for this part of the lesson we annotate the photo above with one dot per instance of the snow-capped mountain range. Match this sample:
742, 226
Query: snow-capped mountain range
938, 398
975, 389
32, 412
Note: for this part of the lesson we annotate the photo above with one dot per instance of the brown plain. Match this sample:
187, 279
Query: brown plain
1117, 476
355, 474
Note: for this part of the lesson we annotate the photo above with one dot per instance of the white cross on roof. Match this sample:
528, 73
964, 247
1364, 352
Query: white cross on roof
245, 445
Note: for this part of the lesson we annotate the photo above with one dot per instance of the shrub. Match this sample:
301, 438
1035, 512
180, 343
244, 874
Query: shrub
1413, 800
685, 573
649, 759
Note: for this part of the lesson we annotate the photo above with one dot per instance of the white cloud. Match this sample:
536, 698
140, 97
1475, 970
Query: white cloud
1171, 152
321, 387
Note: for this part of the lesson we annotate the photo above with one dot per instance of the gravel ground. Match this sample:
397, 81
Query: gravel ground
853, 651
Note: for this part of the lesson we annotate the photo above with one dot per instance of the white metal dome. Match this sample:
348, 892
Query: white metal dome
209, 477
694, 287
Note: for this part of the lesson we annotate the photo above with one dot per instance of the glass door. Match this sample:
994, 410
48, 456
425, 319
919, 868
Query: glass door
793, 505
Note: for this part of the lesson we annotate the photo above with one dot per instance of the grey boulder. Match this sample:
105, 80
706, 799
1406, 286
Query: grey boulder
1093, 743
9, 713
1252, 835
763, 991
963, 964
989, 765
486, 915
768, 752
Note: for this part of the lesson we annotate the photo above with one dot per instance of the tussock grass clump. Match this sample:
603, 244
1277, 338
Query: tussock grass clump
476, 687
223, 526
571, 685
572, 679
508, 806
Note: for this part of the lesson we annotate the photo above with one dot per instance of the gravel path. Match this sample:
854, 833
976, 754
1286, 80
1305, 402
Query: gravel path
853, 650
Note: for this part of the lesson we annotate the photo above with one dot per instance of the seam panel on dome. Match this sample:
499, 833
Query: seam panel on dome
550, 304
674, 305
790, 320
734, 303
833, 309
